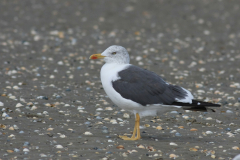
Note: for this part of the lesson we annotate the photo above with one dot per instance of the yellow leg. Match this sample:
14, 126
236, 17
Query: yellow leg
136, 130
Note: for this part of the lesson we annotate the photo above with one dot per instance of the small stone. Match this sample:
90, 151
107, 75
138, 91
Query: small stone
11, 136
62, 136
141, 146
50, 129
16, 150
237, 130
206, 32
228, 129
186, 117
229, 111
26, 144
150, 149
19, 105
173, 156
201, 69
60, 63
5, 115
3, 126
126, 115
178, 134
33, 108
113, 121
124, 154
173, 144
175, 112
16, 87
15, 127
1, 104
88, 133
10, 151
173, 131
51, 76
235, 148
193, 129
213, 156
209, 132
209, 118
98, 117
87, 123
59, 146
138, 58
147, 125
193, 149
105, 131
11, 128
26, 150
105, 128
218, 121
108, 108
159, 128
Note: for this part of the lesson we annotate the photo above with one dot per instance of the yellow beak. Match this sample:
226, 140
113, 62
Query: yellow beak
96, 56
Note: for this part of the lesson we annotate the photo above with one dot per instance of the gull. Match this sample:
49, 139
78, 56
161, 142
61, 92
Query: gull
139, 91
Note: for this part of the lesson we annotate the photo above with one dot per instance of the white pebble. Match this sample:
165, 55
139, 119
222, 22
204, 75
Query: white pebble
138, 58
62, 136
1, 104
126, 115
19, 105
88, 133
15, 127
59, 146
60, 63
206, 32
12, 97
209, 118
173, 144
16, 87
4, 114
113, 121
33, 108
209, 132
45, 112
202, 69
120, 119
26, 150
52, 76
108, 108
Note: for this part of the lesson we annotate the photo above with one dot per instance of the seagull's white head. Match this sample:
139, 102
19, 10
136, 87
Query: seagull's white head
113, 54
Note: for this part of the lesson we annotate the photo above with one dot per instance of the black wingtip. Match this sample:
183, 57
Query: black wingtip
196, 103
197, 108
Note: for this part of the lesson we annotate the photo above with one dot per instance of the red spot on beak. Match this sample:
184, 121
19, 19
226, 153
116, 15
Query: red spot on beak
94, 57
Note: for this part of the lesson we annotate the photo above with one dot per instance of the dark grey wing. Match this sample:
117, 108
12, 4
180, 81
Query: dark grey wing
145, 87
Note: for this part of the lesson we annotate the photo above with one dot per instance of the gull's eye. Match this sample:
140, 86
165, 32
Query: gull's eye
113, 53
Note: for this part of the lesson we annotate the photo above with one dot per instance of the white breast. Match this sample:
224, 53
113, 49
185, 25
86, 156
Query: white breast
109, 73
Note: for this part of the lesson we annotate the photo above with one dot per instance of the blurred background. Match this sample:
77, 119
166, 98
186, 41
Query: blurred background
82, 26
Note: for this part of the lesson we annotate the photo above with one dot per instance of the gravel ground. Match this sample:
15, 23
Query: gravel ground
54, 107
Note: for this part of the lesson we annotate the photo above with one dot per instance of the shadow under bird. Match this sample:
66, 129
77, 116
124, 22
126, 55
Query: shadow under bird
140, 91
